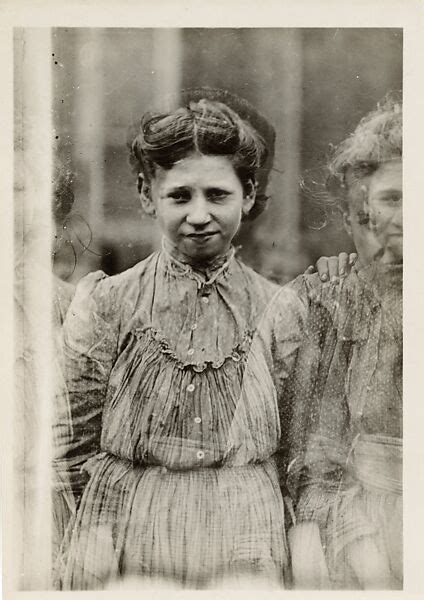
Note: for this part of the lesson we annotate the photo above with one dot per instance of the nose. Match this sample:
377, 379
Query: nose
397, 220
198, 214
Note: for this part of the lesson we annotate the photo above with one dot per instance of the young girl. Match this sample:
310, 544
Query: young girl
349, 474
176, 372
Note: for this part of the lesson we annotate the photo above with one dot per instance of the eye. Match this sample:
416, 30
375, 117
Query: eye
217, 194
391, 197
180, 196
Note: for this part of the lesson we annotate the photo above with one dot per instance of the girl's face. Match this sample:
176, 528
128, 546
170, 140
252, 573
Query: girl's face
199, 204
381, 197
385, 208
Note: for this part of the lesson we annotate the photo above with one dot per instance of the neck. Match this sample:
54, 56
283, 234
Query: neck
198, 264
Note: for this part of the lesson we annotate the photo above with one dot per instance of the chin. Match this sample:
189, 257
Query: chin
203, 256
205, 253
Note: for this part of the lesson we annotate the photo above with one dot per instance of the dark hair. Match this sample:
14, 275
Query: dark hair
212, 127
377, 139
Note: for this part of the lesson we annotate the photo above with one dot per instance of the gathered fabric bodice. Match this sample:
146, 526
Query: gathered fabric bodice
182, 369
177, 380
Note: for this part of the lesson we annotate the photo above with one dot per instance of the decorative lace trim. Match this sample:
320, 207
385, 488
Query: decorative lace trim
185, 270
238, 354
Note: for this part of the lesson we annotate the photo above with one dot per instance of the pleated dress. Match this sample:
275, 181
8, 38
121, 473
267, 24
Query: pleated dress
176, 382
350, 479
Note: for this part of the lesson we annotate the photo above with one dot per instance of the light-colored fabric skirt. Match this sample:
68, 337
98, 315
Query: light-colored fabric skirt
193, 528
363, 537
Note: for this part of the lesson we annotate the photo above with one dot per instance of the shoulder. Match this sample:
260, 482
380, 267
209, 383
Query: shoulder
107, 290
290, 301
263, 287
121, 281
330, 304
299, 291
134, 274
63, 294
306, 285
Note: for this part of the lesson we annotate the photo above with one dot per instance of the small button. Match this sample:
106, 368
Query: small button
205, 299
194, 327
197, 420
200, 454
190, 387
190, 351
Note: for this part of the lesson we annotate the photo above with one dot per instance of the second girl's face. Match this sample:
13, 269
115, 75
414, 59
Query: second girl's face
199, 204
385, 206
383, 236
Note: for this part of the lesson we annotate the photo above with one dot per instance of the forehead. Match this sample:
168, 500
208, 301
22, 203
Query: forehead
387, 176
198, 170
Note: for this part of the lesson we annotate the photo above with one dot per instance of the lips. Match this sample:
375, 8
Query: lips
201, 236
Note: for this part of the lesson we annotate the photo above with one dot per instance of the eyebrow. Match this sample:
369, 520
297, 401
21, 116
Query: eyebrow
389, 191
187, 188
177, 188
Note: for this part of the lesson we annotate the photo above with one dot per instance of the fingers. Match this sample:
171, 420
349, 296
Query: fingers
353, 257
333, 268
310, 270
323, 268
343, 263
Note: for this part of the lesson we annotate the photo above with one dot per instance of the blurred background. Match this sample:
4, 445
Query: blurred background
312, 84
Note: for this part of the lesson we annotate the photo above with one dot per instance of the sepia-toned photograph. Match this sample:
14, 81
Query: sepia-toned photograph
208, 292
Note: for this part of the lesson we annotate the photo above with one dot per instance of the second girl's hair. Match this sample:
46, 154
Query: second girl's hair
206, 126
377, 139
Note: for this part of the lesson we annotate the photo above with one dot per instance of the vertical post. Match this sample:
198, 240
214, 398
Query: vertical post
279, 83
167, 66
89, 131
33, 323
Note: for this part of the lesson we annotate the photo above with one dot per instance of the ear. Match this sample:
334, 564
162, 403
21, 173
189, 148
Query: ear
145, 193
249, 197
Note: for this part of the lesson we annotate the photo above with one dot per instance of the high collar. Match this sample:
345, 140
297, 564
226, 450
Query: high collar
204, 274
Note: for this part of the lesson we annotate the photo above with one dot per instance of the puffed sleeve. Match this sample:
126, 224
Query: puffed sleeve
289, 310
89, 346
295, 356
319, 420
